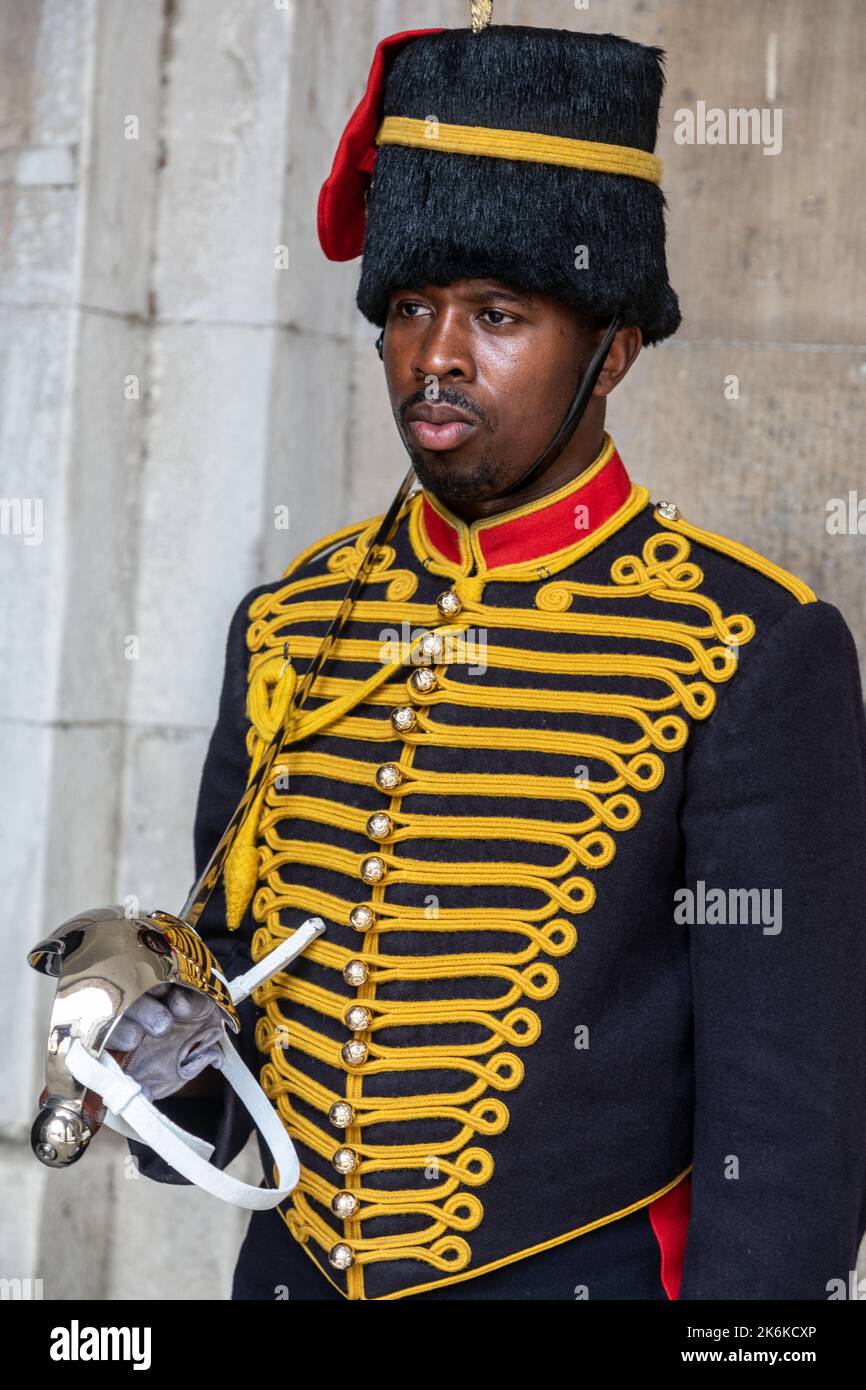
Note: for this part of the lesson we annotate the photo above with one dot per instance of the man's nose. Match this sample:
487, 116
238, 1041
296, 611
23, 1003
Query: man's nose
444, 348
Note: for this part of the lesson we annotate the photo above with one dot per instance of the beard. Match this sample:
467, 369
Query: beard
476, 482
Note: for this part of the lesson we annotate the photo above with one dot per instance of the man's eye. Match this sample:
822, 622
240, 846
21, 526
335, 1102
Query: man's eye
402, 308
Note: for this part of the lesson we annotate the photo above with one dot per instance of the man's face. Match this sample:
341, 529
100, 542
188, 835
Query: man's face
507, 363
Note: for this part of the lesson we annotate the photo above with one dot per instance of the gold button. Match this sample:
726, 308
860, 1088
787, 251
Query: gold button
344, 1205
669, 510
355, 972
379, 825
354, 1052
341, 1114
422, 680
373, 869
345, 1160
357, 1018
340, 1256
361, 917
403, 718
388, 776
448, 604
431, 646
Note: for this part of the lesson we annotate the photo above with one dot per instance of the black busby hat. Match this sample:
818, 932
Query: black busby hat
518, 154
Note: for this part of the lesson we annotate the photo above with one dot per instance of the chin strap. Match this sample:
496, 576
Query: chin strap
130, 1113
574, 414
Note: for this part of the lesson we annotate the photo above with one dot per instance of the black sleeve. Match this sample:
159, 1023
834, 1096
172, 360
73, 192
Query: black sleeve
775, 799
222, 1120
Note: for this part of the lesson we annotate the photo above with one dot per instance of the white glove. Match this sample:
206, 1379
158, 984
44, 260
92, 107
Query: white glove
172, 1033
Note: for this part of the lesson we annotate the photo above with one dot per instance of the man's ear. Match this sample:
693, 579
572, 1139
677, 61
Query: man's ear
623, 350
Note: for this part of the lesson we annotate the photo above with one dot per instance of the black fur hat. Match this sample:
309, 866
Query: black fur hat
435, 217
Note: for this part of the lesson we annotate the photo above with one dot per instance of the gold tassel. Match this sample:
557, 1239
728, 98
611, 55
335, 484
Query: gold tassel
481, 13
268, 699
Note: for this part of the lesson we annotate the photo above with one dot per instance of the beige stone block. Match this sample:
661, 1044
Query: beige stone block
75, 1221
759, 246
37, 249
120, 191
104, 486
316, 294
21, 1173
34, 351
314, 412
221, 189
200, 516
25, 756
760, 469
174, 1242
161, 774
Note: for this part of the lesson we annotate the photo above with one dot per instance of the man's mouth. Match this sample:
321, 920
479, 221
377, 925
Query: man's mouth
439, 425
446, 435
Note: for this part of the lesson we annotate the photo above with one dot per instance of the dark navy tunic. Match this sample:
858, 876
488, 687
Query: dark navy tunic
588, 1017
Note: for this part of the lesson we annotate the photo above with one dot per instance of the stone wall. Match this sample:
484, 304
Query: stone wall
165, 388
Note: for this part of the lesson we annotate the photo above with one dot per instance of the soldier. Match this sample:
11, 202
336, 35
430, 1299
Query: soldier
581, 792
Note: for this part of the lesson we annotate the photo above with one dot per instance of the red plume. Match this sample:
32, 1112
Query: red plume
341, 211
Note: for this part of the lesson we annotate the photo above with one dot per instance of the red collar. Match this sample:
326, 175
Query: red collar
537, 529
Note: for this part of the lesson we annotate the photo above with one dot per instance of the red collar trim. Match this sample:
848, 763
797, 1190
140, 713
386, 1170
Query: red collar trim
536, 529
